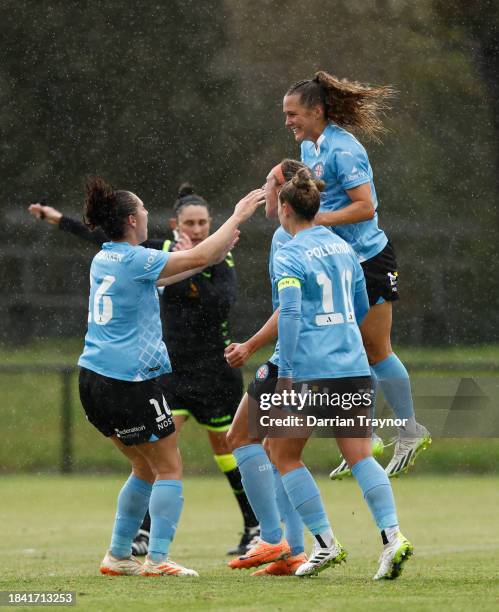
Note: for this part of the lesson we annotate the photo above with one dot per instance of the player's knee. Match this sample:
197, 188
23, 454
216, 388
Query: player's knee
141, 469
376, 353
236, 439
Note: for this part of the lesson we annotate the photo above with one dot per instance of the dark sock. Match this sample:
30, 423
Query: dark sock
146, 523
234, 478
228, 465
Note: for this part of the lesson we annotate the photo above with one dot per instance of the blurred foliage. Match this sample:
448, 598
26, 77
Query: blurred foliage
150, 94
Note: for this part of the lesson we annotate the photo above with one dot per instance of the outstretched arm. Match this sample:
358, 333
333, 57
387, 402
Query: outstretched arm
67, 224
238, 354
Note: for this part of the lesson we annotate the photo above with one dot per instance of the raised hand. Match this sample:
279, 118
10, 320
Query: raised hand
247, 206
183, 243
45, 213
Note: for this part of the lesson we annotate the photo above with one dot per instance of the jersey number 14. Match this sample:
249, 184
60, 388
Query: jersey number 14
330, 317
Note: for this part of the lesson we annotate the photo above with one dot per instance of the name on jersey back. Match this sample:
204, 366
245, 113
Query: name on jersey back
330, 248
107, 256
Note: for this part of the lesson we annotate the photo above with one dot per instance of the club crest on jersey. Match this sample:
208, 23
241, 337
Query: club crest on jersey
262, 372
319, 170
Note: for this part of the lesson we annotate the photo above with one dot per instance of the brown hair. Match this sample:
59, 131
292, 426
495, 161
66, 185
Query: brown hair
347, 103
107, 208
303, 194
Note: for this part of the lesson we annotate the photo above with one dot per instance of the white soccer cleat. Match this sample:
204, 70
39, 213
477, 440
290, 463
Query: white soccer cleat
111, 566
321, 559
166, 568
393, 557
407, 448
343, 471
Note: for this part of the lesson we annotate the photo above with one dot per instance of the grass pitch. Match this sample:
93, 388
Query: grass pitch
56, 529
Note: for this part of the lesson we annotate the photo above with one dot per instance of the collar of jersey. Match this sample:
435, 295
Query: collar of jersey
317, 145
114, 245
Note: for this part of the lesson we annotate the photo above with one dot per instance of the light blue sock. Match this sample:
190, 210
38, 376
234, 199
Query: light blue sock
258, 482
133, 500
394, 380
289, 516
377, 491
305, 496
165, 507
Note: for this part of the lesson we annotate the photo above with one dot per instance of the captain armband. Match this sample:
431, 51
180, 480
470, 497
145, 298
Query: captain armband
289, 281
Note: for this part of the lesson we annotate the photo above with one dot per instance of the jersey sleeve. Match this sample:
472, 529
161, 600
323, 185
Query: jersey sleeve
287, 264
146, 264
79, 229
352, 166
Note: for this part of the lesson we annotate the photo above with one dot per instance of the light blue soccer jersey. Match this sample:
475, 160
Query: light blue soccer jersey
279, 239
333, 295
342, 163
124, 338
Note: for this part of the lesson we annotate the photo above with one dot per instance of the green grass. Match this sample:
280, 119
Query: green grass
67, 350
30, 418
56, 529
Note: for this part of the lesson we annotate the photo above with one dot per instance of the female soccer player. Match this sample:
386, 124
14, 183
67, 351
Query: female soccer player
196, 330
322, 297
123, 359
259, 476
317, 112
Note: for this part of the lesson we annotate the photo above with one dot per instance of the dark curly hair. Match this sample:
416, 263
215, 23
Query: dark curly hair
106, 208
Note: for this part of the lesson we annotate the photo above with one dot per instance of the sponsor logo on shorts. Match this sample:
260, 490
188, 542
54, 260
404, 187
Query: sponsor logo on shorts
262, 372
124, 432
393, 280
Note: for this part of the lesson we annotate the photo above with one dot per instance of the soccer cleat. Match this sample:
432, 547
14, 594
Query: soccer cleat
111, 566
261, 553
407, 448
166, 568
393, 557
321, 559
249, 537
283, 567
140, 544
342, 471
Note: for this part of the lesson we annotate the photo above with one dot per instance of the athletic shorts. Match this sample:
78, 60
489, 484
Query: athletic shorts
381, 276
329, 407
136, 412
209, 394
264, 381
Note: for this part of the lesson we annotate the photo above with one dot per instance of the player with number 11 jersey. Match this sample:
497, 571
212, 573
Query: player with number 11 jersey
329, 343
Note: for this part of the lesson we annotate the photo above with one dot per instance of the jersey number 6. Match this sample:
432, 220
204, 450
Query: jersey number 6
103, 304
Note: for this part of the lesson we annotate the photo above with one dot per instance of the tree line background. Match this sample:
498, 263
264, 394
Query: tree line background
151, 94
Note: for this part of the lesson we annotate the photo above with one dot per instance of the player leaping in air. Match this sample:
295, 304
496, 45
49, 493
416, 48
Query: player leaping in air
317, 111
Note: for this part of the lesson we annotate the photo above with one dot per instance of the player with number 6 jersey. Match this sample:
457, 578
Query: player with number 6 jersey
123, 359
123, 291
